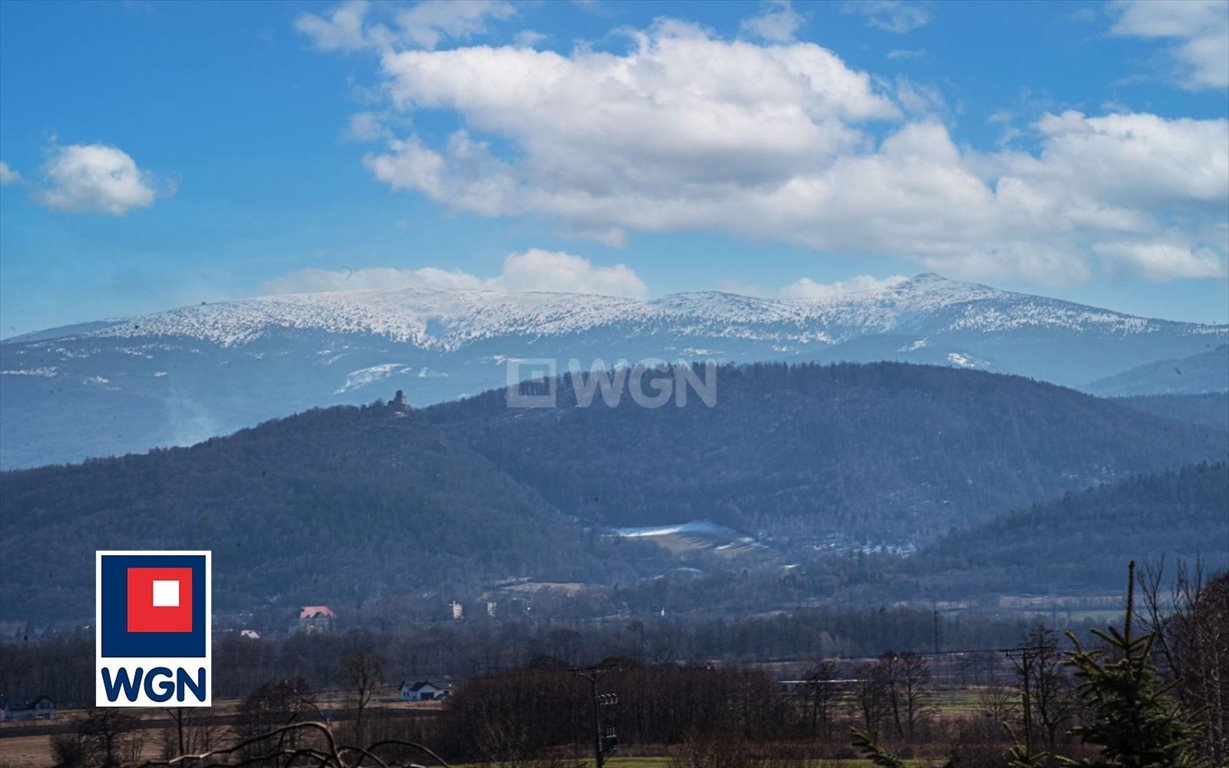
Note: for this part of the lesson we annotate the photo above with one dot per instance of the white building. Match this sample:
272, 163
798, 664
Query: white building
422, 691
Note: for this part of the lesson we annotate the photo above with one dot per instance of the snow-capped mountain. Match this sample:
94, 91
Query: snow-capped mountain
183, 375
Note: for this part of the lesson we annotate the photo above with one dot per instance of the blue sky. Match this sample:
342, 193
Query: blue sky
162, 154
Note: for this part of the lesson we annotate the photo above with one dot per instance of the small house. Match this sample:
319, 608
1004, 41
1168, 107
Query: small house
316, 618
422, 691
40, 708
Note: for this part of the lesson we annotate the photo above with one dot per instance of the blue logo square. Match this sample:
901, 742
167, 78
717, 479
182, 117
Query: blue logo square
117, 642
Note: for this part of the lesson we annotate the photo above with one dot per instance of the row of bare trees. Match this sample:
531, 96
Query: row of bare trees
535, 712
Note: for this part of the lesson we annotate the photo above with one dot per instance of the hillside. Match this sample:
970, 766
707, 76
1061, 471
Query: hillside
345, 503
795, 455
1210, 409
181, 376
1206, 371
357, 503
1081, 541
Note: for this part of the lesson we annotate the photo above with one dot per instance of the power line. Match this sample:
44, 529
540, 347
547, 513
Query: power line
605, 742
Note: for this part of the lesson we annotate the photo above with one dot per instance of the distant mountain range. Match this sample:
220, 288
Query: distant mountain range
1200, 373
790, 463
177, 377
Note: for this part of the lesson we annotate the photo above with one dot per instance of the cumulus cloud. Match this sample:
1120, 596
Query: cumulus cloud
807, 289
686, 131
777, 24
352, 26
8, 175
531, 270
890, 15
538, 270
1198, 29
96, 178
682, 113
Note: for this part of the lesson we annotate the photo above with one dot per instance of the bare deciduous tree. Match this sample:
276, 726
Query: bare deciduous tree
821, 696
362, 673
1191, 622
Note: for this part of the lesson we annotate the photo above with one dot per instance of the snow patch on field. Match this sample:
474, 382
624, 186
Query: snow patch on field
696, 526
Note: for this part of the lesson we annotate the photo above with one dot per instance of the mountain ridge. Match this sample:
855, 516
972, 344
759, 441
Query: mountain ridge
240, 321
181, 376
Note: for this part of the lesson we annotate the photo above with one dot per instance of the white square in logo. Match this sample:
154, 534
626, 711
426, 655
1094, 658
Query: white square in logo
539, 384
166, 594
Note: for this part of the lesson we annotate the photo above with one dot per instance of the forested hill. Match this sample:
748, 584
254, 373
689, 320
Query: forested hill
356, 503
1081, 541
1210, 409
886, 451
339, 504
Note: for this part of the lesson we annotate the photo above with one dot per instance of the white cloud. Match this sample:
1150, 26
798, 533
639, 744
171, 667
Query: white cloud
807, 289
777, 24
431, 21
96, 178
919, 99
1133, 161
686, 131
8, 175
1199, 30
538, 270
372, 279
528, 38
1165, 260
532, 270
740, 287
340, 30
352, 26
682, 113
890, 15
367, 127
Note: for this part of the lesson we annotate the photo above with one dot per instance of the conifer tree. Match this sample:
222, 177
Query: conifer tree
1136, 724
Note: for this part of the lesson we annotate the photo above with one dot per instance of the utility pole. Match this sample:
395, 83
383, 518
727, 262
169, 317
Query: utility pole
1024, 667
604, 744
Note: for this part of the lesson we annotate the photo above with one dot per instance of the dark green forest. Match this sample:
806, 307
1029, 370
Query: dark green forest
881, 451
1077, 541
360, 505
343, 503
1210, 409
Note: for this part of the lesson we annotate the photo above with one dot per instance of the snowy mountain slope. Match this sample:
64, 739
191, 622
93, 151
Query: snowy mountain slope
183, 375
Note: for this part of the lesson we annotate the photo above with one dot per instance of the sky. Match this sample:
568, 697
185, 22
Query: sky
155, 155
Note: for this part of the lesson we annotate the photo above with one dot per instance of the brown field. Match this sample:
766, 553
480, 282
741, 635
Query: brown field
27, 744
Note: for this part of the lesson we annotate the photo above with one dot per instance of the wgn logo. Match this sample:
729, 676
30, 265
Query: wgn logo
152, 629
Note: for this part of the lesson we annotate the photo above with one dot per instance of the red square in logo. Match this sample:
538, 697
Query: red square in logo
159, 599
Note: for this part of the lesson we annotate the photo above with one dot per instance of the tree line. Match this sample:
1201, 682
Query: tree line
1148, 691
